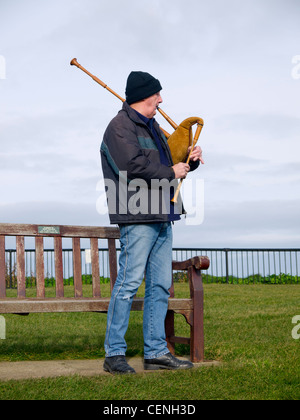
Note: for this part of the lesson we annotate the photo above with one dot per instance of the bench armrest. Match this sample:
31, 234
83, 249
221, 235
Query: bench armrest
200, 263
193, 266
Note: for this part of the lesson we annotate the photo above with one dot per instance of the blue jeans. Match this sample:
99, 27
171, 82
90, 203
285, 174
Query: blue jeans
146, 249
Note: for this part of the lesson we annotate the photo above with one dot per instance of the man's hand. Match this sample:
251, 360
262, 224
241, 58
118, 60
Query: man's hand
181, 169
196, 154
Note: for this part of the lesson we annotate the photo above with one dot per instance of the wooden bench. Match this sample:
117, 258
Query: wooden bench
191, 308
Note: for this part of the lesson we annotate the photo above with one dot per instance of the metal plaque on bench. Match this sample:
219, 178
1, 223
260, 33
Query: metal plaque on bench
49, 229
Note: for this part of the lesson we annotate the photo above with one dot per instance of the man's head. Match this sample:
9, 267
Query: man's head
143, 92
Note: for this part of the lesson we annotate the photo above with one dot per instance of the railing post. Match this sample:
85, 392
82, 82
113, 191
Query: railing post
226, 265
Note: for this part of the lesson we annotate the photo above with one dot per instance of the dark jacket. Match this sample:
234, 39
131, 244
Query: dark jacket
130, 163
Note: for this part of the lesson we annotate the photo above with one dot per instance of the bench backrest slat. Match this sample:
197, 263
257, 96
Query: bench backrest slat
77, 267
20, 246
95, 267
9, 229
2, 267
40, 269
112, 262
59, 274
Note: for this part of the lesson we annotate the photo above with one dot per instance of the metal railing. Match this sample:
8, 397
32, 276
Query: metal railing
228, 265
241, 265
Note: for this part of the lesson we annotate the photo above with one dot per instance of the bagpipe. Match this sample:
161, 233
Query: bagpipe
179, 141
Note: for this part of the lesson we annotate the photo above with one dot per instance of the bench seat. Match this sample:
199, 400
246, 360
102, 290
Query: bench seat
36, 305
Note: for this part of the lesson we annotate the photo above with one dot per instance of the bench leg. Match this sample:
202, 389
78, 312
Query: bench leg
170, 331
197, 328
197, 340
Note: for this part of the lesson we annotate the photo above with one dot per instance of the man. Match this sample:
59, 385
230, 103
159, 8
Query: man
134, 154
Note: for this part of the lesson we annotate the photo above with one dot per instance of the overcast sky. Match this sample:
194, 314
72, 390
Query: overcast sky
233, 63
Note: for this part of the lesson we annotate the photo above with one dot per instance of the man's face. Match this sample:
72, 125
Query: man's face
151, 105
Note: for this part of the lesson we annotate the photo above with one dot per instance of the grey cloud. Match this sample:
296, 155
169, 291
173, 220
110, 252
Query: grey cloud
45, 130
230, 160
246, 224
271, 126
273, 223
54, 164
52, 212
220, 165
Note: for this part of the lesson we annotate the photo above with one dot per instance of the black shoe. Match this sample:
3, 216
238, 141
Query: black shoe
168, 361
117, 364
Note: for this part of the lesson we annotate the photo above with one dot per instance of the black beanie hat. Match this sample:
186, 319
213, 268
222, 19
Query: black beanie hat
141, 85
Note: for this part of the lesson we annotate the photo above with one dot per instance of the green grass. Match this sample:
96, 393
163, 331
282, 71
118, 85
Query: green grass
248, 328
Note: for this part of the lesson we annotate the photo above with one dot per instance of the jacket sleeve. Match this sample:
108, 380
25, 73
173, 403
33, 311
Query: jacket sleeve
123, 149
